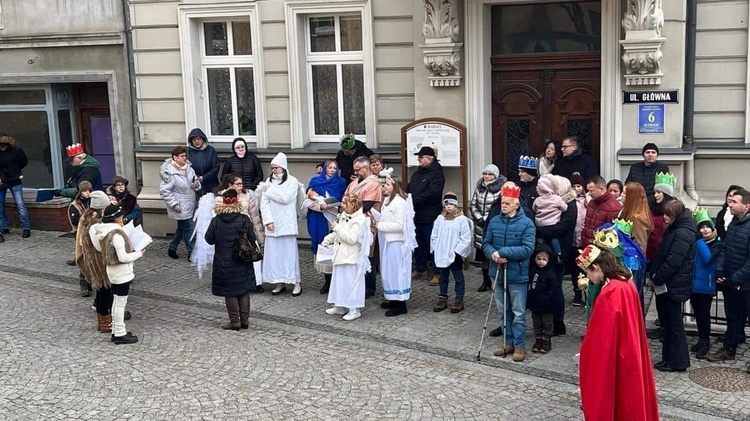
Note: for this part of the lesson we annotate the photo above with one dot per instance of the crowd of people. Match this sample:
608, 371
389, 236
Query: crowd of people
558, 218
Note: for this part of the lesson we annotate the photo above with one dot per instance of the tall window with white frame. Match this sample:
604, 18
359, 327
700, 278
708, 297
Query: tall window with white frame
335, 77
229, 88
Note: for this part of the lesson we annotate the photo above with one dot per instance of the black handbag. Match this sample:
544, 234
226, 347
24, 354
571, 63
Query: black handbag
246, 248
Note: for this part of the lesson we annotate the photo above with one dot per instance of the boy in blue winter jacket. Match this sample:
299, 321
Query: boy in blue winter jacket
704, 284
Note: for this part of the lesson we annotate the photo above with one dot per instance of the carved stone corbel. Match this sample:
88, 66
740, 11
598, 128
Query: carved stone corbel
442, 46
642, 23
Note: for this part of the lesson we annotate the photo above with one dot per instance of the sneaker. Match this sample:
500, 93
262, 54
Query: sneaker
578, 299
720, 356
458, 306
336, 311
173, 254
519, 355
26, 234
297, 291
441, 305
701, 352
435, 280
537, 345
128, 338
279, 289
353, 314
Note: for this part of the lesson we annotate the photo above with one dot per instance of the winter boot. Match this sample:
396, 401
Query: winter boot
26, 234
537, 345
233, 310
326, 284
701, 352
104, 323
85, 291
2, 238
486, 281
398, 309
244, 302
546, 345
441, 305
458, 306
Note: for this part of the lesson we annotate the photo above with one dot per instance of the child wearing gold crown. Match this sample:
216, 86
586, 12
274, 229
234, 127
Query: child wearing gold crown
704, 283
615, 375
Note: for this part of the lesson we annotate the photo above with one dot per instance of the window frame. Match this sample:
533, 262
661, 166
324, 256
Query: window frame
195, 64
297, 14
336, 58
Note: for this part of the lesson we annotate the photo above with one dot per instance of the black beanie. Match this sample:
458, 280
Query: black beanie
530, 171
650, 146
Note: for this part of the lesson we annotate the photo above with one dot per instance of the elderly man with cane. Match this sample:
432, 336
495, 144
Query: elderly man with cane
509, 241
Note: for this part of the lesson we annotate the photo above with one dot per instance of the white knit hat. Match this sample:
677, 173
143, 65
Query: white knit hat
99, 200
492, 168
280, 160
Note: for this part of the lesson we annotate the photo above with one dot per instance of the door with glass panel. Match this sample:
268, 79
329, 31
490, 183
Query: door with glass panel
546, 78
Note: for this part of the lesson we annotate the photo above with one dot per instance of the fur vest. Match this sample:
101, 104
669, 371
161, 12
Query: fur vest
108, 249
88, 259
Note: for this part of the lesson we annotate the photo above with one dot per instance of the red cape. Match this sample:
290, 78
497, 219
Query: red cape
616, 376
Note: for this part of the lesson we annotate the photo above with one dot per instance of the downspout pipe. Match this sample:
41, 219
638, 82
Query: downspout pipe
689, 97
131, 78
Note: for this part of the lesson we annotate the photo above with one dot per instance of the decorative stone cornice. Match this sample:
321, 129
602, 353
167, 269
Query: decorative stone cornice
642, 23
442, 46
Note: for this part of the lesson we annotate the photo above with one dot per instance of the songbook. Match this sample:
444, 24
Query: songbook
138, 238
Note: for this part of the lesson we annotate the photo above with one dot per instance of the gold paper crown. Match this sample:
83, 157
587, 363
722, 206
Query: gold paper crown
587, 256
701, 215
606, 239
624, 226
665, 178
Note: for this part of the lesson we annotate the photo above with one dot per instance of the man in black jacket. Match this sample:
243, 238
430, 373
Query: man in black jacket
351, 149
12, 161
204, 160
645, 172
528, 168
733, 272
426, 188
573, 160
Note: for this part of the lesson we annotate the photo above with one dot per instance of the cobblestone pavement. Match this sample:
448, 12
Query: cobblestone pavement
295, 359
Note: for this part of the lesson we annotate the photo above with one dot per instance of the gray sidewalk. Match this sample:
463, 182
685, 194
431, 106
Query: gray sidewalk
712, 390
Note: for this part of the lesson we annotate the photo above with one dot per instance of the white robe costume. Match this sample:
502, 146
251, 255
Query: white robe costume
398, 240
351, 239
278, 204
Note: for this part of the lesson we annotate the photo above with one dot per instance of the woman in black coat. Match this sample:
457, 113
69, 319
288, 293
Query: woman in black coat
672, 269
232, 279
244, 164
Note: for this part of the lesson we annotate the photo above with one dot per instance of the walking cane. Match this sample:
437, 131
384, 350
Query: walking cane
487, 316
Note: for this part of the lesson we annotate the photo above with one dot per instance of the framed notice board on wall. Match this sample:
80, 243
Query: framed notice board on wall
446, 137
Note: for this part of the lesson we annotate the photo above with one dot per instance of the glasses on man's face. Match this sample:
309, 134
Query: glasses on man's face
358, 169
566, 146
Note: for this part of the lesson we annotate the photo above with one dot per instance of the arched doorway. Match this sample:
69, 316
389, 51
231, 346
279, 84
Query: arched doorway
546, 78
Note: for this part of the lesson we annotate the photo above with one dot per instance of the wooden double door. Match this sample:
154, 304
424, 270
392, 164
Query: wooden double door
536, 97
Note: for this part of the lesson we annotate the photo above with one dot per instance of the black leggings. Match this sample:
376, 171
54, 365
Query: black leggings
103, 301
121, 289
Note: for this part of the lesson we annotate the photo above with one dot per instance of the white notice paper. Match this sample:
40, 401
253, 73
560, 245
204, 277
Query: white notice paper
660, 289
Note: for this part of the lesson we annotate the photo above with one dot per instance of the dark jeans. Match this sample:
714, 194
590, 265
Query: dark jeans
542, 323
456, 268
674, 349
736, 305
103, 301
701, 304
639, 278
422, 256
183, 233
558, 313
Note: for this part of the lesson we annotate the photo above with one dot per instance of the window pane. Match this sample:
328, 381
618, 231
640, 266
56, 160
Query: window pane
216, 39
220, 101
22, 97
352, 76
547, 28
245, 101
241, 38
580, 127
518, 136
351, 33
31, 132
322, 34
325, 100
